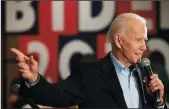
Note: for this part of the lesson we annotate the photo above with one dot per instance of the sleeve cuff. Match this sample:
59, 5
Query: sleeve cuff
30, 85
160, 107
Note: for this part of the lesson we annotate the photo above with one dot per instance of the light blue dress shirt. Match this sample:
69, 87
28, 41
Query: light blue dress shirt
128, 84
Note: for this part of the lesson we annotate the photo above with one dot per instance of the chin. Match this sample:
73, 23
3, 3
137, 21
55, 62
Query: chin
136, 61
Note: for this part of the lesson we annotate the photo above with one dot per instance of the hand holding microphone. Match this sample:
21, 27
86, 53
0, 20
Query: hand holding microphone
154, 85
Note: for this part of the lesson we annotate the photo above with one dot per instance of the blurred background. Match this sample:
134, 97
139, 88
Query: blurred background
60, 33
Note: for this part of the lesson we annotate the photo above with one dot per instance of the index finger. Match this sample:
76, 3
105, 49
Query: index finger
154, 76
20, 55
17, 52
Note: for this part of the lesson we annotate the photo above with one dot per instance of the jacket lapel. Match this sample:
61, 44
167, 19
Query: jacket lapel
110, 77
138, 75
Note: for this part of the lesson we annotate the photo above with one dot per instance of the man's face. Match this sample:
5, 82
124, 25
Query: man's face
133, 44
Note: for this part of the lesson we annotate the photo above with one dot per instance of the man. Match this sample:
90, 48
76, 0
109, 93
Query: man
105, 83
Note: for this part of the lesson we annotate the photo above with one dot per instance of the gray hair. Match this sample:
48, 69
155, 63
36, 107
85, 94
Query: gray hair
120, 23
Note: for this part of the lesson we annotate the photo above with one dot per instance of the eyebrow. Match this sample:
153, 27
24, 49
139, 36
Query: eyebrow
142, 38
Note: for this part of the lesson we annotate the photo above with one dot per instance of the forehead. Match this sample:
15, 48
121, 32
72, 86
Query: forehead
138, 30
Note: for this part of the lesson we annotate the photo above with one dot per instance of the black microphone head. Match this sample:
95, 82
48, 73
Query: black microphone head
16, 87
145, 62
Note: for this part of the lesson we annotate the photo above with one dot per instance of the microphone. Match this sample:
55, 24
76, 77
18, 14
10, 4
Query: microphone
145, 64
16, 88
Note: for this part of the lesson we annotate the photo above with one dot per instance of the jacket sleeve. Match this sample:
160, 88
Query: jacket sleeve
64, 93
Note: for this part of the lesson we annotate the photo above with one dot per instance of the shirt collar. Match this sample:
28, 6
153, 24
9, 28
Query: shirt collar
119, 66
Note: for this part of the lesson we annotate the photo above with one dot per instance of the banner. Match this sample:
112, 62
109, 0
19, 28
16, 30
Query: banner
57, 30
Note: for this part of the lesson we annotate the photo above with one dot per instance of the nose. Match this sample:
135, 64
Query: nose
143, 46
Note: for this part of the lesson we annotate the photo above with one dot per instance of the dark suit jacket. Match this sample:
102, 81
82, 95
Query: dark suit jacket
90, 85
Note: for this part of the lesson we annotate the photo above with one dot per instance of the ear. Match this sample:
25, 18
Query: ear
117, 40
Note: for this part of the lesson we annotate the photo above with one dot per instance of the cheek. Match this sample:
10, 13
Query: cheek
126, 50
129, 48
132, 47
